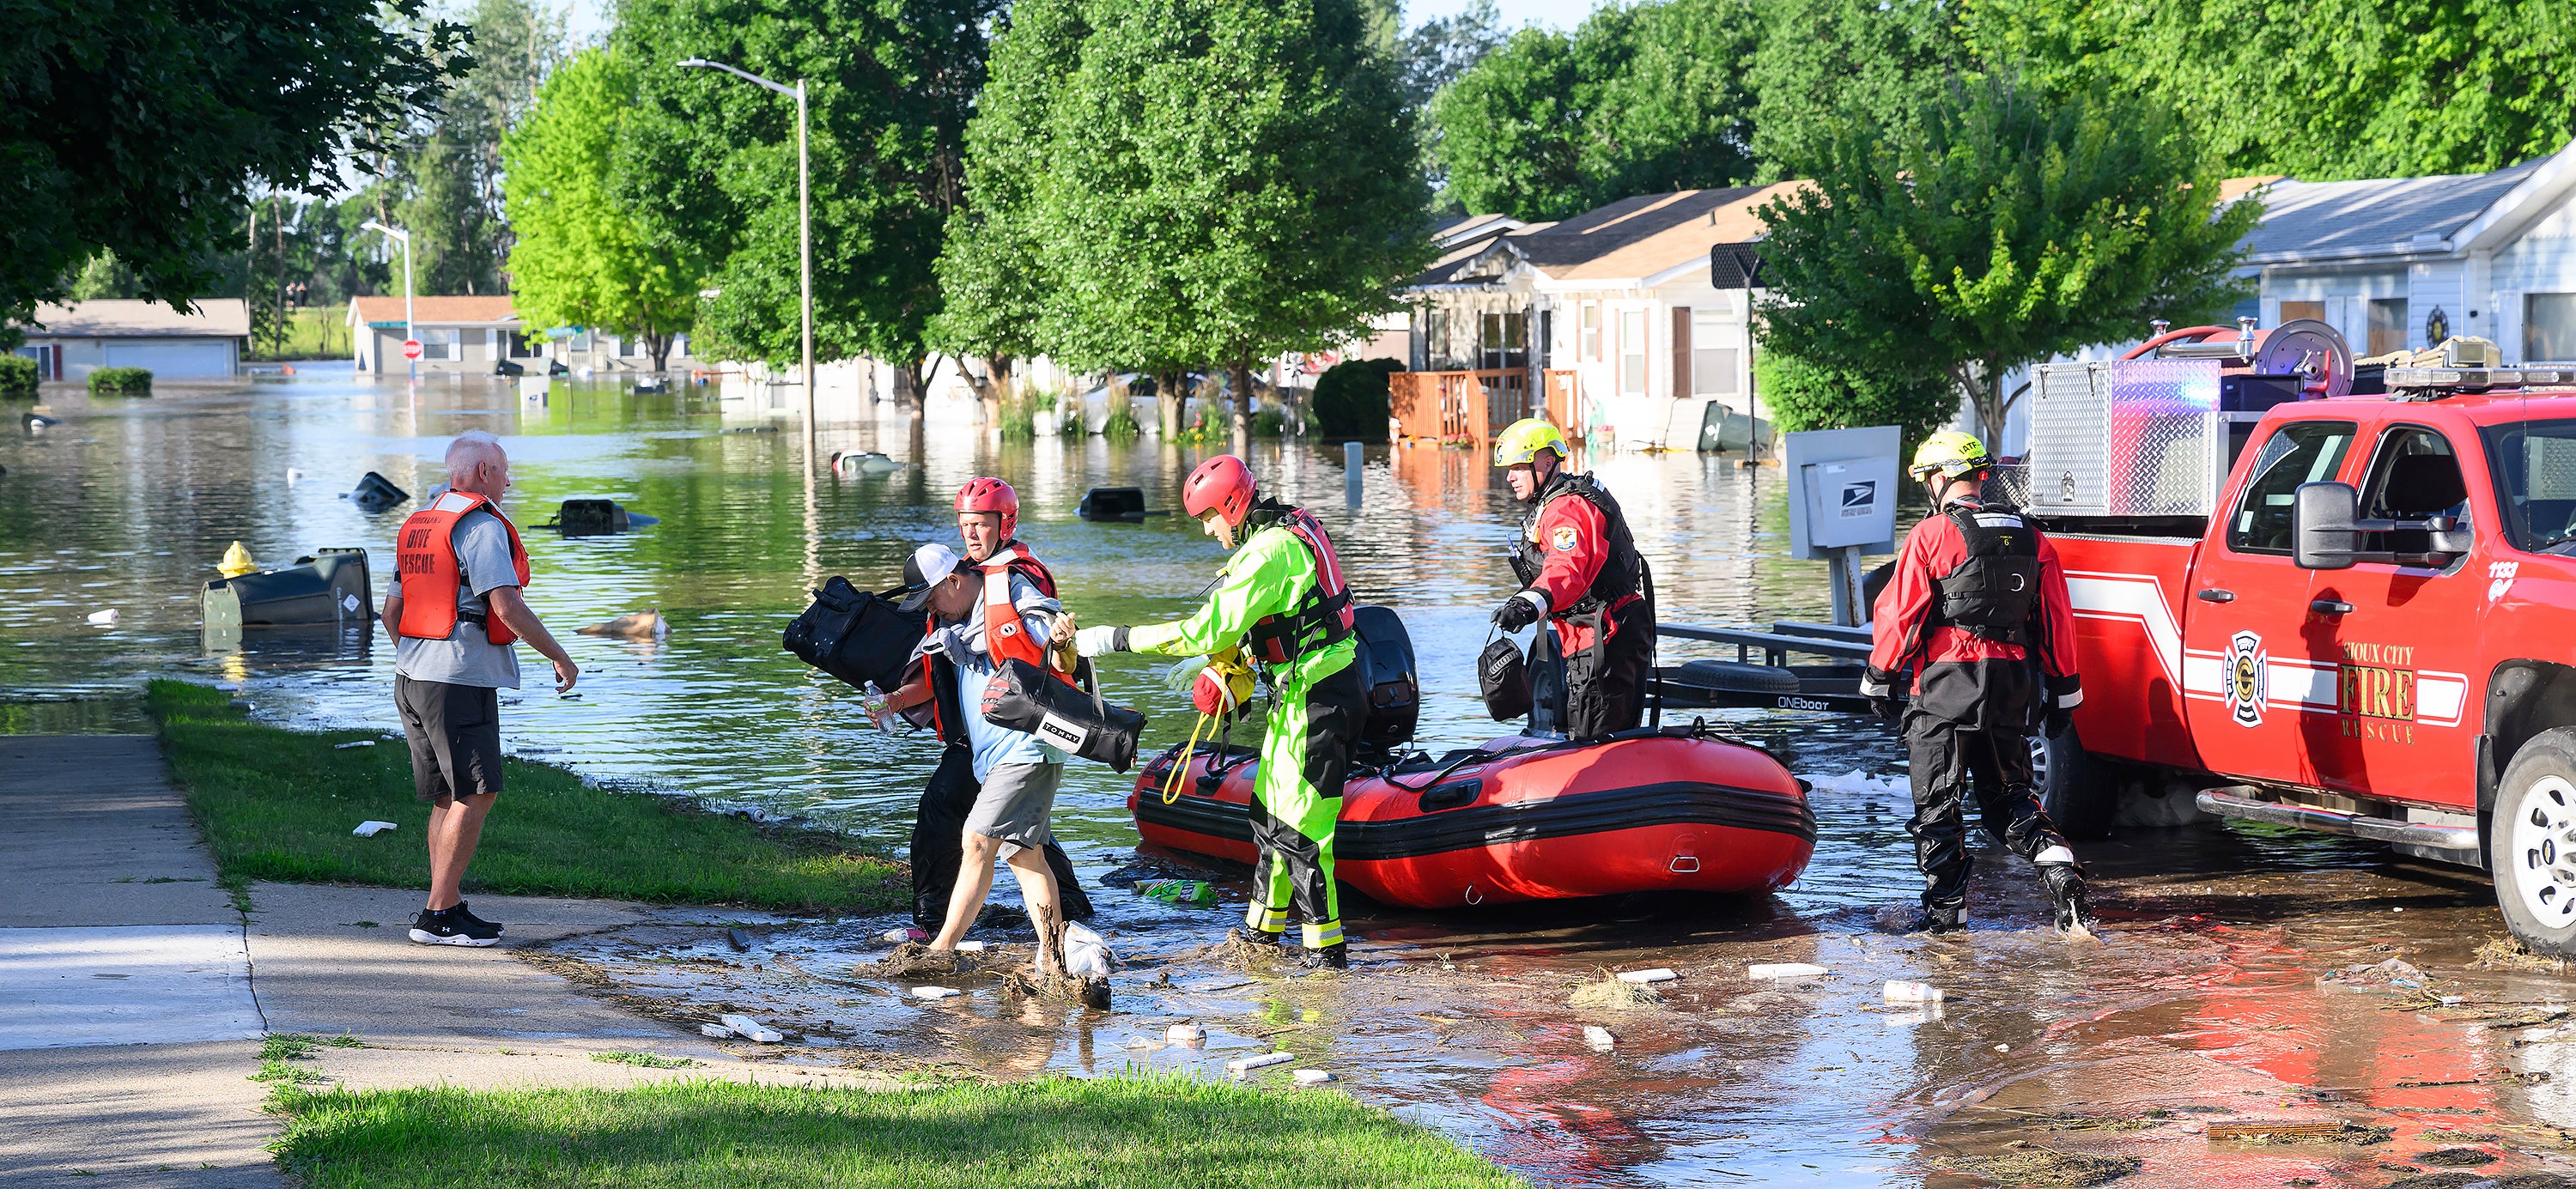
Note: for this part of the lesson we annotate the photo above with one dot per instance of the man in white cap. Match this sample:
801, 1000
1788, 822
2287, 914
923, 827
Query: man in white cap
972, 623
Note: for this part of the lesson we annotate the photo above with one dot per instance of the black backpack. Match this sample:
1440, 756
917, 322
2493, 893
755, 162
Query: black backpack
854, 635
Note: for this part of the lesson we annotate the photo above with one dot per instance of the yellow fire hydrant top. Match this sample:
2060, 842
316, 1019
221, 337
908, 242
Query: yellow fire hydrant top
236, 562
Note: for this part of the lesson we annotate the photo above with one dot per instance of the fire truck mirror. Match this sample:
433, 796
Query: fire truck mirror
2323, 525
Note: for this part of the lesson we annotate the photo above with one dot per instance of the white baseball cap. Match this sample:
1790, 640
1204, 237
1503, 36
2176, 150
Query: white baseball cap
926, 568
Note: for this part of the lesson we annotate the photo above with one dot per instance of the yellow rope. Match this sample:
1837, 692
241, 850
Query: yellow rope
1180, 765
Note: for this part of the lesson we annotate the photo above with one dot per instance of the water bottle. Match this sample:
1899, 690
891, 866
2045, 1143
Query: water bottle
1178, 891
873, 700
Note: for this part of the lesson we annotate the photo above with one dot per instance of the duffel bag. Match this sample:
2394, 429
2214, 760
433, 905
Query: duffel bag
1504, 677
1023, 698
854, 635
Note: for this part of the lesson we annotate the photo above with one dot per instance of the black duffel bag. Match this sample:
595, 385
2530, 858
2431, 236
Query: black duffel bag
1504, 677
1022, 698
854, 635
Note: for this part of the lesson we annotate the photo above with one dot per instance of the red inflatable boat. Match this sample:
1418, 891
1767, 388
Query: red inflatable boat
1521, 819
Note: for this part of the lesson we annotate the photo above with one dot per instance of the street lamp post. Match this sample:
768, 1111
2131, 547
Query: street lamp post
804, 225
403, 237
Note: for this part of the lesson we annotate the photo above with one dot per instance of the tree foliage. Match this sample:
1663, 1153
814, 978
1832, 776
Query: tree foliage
1638, 100
1819, 59
582, 257
711, 161
142, 127
1177, 182
1800, 395
2004, 227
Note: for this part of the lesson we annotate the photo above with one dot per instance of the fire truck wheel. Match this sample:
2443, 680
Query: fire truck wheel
2531, 843
2077, 794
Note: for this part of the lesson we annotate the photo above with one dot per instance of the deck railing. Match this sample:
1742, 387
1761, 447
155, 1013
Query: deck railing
1473, 406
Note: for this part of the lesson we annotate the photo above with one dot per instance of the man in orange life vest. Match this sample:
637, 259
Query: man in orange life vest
1580, 571
988, 516
454, 610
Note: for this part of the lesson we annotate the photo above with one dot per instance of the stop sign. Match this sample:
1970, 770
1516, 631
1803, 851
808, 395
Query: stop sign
411, 348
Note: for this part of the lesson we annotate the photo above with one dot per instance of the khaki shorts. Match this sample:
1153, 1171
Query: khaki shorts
1014, 805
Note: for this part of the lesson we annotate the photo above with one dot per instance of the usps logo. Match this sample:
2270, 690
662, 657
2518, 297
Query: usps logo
1860, 499
2248, 679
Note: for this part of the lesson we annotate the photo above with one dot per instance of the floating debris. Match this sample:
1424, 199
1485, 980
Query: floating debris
2042, 1166
936, 993
738, 939
1899, 991
2297, 1131
1613, 993
2457, 1157
1264, 1061
751, 1029
718, 1031
103, 619
638, 625
1185, 1034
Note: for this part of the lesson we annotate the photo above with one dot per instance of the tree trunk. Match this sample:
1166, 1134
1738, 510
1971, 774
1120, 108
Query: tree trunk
907, 386
657, 343
1238, 374
1169, 400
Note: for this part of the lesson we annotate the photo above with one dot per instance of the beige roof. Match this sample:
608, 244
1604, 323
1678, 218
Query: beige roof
216, 317
1683, 243
436, 311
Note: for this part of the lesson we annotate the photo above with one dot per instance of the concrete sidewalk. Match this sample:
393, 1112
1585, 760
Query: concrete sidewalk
132, 991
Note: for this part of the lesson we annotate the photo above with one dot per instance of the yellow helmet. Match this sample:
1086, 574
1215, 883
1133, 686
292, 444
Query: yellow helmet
1951, 453
1524, 439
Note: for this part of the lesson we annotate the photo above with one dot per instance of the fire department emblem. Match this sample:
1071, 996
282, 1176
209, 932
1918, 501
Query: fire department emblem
1563, 538
2247, 679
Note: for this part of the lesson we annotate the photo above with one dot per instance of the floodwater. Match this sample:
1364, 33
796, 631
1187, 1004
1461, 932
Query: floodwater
2243, 978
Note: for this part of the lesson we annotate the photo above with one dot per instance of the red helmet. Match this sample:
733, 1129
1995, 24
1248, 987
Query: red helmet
992, 495
1222, 484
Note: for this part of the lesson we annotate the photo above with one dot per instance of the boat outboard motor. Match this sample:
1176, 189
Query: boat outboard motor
375, 493
1387, 668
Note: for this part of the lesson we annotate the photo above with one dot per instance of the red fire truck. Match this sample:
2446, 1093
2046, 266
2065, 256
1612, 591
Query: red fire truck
2337, 598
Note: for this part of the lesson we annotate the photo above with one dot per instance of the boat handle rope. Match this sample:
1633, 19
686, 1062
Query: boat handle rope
1181, 762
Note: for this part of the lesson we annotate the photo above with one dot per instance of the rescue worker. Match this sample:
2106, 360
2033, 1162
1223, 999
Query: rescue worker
988, 522
1579, 569
1283, 603
1975, 597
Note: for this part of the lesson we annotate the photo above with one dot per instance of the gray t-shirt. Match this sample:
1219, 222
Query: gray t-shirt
468, 656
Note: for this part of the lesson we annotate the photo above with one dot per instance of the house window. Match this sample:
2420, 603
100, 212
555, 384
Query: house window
440, 343
518, 344
1632, 352
1712, 366
2548, 327
1547, 338
2387, 325
2292, 311
1591, 349
1504, 343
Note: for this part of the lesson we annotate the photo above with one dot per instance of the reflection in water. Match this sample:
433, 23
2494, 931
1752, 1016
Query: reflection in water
2206, 1003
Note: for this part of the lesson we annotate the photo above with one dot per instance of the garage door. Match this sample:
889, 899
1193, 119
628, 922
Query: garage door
171, 361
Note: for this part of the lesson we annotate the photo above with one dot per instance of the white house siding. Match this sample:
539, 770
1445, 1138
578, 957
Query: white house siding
2542, 261
168, 358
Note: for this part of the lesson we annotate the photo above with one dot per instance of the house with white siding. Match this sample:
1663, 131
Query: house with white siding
2401, 263
70, 341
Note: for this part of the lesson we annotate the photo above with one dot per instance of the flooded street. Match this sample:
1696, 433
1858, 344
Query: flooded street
2267, 1008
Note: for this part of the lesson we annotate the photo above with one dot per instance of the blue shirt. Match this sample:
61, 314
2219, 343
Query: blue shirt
963, 645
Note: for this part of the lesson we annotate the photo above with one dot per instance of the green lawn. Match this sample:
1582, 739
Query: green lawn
279, 805
1149, 1132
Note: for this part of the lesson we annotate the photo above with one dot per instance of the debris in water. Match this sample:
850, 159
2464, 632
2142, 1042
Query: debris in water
371, 829
375, 493
936, 992
1613, 993
970, 947
1248, 1064
1086, 954
899, 936
1899, 991
2041, 1166
639, 625
2297, 1131
2394, 974
1310, 1077
2458, 1157
294, 475
718, 1031
863, 462
1784, 970
103, 619
1642, 977
1599, 1037
738, 939
2508, 953
750, 1029
1185, 1034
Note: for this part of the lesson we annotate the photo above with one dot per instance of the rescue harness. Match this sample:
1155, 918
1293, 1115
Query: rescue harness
1994, 593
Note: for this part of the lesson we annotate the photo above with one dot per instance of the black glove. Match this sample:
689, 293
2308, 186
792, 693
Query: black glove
2056, 720
1880, 688
1516, 613
1885, 708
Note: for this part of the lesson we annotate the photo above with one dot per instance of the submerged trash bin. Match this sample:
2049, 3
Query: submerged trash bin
1112, 503
595, 517
375, 493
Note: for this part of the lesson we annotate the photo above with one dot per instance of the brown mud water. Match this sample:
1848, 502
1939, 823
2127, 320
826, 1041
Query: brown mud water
2259, 1010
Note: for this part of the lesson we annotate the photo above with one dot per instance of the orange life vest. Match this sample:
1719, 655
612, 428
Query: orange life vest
425, 559
1006, 638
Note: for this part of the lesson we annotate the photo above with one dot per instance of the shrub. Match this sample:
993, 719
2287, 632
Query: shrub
121, 381
1801, 395
1351, 399
17, 375
1268, 423
1121, 425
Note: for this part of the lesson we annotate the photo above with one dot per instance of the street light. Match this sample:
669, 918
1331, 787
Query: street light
804, 224
404, 237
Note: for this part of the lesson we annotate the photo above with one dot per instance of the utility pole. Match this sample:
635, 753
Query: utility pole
409, 333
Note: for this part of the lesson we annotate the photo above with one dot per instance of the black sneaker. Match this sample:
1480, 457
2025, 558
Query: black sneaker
453, 926
467, 915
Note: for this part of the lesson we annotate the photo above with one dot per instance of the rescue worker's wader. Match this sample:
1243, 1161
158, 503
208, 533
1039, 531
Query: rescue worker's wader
1601, 688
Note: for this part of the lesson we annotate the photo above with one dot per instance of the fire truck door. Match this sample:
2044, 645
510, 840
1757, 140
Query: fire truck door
2405, 632
2255, 658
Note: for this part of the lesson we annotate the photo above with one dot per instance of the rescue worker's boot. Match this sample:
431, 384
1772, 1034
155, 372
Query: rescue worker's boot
1945, 918
2066, 895
1336, 956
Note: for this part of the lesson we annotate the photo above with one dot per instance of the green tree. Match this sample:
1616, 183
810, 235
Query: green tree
1231, 179
1820, 60
2005, 227
141, 127
582, 258
1639, 99
710, 163
1800, 395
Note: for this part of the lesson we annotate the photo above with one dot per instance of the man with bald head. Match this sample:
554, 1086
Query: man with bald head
455, 611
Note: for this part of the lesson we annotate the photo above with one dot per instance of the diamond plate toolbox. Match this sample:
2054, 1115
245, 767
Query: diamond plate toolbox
2131, 438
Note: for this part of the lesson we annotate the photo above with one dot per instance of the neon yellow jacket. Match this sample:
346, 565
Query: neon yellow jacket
1269, 575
